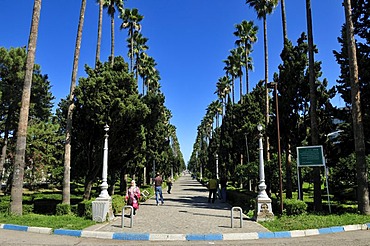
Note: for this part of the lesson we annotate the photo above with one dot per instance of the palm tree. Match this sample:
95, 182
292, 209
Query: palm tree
283, 20
223, 89
111, 6
238, 59
313, 106
19, 163
141, 67
67, 145
148, 72
131, 21
263, 8
100, 24
247, 34
214, 110
139, 46
231, 69
362, 179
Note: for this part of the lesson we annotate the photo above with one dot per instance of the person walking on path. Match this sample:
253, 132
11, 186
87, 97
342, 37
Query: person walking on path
212, 187
158, 188
169, 185
132, 196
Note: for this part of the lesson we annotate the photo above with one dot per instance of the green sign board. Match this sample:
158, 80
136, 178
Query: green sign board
310, 156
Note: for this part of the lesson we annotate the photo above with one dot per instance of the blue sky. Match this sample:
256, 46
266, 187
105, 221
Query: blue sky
188, 39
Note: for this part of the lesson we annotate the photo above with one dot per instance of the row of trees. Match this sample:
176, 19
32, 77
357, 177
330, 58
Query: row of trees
306, 114
140, 130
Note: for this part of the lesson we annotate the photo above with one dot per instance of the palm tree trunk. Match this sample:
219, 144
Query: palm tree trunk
362, 179
100, 24
132, 52
313, 107
67, 152
241, 89
112, 40
283, 19
233, 88
246, 69
19, 164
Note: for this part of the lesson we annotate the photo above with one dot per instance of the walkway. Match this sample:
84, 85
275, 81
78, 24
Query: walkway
185, 211
185, 216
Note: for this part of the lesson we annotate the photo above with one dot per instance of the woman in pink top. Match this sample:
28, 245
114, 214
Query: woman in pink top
132, 196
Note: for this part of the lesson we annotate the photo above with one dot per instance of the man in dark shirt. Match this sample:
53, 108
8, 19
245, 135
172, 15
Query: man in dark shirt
158, 188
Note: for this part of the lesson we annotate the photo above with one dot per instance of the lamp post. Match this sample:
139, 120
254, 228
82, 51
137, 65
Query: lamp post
263, 210
104, 185
102, 206
261, 185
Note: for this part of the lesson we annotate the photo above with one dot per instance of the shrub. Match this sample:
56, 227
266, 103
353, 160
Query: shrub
294, 207
84, 209
245, 201
74, 209
63, 209
4, 207
27, 208
45, 206
118, 202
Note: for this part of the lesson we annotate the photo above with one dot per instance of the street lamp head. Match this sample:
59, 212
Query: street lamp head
259, 127
106, 128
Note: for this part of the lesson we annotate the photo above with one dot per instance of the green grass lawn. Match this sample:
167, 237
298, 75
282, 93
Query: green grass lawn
310, 221
50, 221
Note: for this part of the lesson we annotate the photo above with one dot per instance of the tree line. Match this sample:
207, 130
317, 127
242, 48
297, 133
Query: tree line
227, 134
66, 146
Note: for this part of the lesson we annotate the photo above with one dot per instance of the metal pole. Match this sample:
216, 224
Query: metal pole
279, 149
217, 166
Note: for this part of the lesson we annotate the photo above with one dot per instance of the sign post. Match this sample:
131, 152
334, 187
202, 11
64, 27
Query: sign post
311, 156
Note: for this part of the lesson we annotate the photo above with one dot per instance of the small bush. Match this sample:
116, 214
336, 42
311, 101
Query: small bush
63, 209
45, 206
294, 207
118, 202
47, 196
74, 209
245, 201
84, 209
4, 207
27, 208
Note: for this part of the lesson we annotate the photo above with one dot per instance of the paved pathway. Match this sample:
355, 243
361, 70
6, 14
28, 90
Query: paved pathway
185, 211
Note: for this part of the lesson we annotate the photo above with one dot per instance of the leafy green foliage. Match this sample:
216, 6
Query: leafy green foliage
294, 207
44, 151
63, 209
117, 203
84, 209
12, 73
